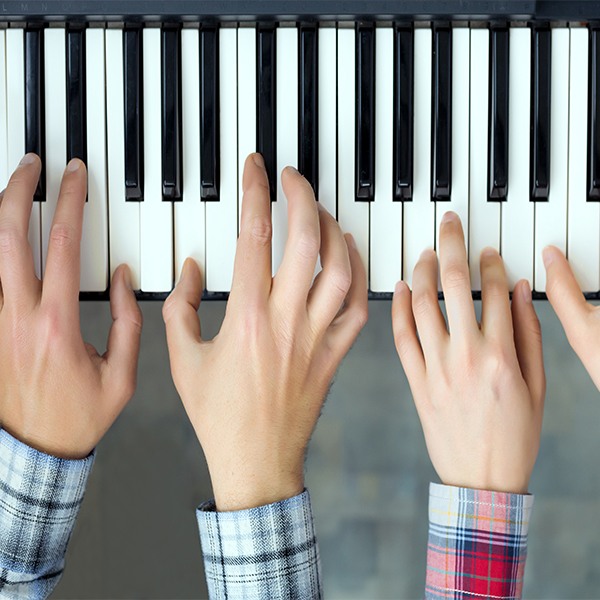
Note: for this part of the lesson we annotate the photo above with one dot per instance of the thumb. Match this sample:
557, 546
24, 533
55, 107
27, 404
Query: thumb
528, 340
566, 297
123, 346
180, 310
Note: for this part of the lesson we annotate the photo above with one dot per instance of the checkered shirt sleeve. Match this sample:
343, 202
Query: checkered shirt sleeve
261, 553
40, 497
477, 543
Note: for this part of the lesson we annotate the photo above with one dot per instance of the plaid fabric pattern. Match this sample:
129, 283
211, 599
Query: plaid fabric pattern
40, 497
261, 553
477, 543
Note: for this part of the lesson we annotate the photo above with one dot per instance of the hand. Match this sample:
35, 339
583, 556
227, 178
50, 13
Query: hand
479, 390
57, 394
580, 319
254, 393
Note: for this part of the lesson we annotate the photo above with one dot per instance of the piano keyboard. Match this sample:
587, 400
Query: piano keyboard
393, 124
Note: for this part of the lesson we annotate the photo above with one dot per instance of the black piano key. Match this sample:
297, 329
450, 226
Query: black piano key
403, 113
308, 110
265, 102
76, 95
209, 113
365, 113
442, 112
540, 115
593, 166
35, 139
172, 165
498, 140
133, 115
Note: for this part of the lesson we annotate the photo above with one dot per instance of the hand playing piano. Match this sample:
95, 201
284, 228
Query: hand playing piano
580, 319
57, 394
254, 393
478, 388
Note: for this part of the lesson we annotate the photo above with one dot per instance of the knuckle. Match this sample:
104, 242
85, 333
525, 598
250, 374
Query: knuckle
423, 303
340, 278
260, 231
496, 288
456, 277
403, 342
10, 239
136, 320
307, 244
62, 235
169, 307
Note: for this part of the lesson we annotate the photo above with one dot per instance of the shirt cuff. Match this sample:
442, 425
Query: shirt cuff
40, 496
477, 543
265, 552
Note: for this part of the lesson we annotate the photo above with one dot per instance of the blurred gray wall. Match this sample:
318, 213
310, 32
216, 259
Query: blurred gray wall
367, 470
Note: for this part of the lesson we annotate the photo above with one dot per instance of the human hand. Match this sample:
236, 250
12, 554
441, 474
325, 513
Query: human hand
57, 394
580, 319
254, 393
479, 389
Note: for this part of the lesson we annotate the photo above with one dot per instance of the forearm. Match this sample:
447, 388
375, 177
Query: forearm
265, 552
40, 496
477, 543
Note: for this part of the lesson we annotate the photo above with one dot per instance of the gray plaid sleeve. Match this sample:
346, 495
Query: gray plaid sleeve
40, 497
261, 553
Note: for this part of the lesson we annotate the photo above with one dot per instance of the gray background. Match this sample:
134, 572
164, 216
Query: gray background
367, 469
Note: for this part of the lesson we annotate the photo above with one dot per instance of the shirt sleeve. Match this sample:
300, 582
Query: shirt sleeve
477, 543
265, 552
40, 496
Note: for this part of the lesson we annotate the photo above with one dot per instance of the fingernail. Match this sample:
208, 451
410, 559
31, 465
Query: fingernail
73, 164
526, 292
320, 206
127, 279
400, 287
28, 159
293, 169
183, 272
258, 160
352, 240
547, 256
489, 251
427, 252
449, 216
2, 192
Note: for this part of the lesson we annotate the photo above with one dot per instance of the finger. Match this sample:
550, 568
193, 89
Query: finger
123, 346
429, 319
180, 310
405, 335
496, 320
63, 263
330, 289
17, 270
454, 274
354, 314
528, 340
252, 270
565, 296
294, 277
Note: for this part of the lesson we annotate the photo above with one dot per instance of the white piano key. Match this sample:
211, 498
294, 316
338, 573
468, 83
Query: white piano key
386, 215
327, 44
551, 216
4, 173
419, 215
94, 239
15, 106
56, 126
222, 216
246, 102
484, 216
156, 216
353, 216
287, 131
518, 210
583, 239
124, 217
459, 192
190, 212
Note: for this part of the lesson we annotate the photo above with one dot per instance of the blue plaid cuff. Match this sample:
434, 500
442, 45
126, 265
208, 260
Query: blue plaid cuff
40, 496
261, 553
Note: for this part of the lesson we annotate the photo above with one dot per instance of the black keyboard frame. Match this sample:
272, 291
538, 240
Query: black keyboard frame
339, 11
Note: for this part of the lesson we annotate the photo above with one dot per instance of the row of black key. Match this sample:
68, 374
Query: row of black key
308, 109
